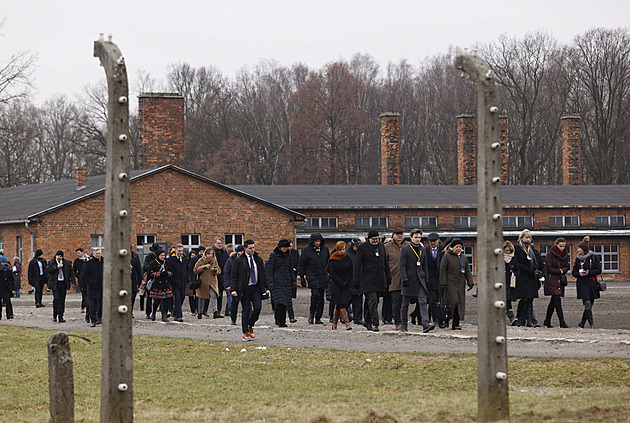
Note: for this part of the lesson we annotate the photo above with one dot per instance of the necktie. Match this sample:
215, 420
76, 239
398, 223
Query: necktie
252, 269
434, 253
60, 277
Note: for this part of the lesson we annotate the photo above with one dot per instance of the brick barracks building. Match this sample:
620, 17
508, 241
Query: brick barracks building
170, 204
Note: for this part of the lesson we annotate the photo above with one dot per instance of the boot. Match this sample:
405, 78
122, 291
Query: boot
581, 324
547, 322
335, 319
310, 318
589, 316
560, 314
346, 319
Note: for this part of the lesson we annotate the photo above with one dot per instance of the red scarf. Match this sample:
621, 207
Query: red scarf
335, 256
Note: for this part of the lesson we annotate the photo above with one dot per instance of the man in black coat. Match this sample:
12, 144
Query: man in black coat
295, 262
432, 253
60, 278
372, 275
248, 282
93, 278
221, 255
312, 270
77, 266
136, 276
37, 276
179, 267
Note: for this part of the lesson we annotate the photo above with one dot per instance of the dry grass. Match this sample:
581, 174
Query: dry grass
196, 381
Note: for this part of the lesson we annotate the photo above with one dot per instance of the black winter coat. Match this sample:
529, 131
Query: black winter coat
355, 289
341, 272
280, 273
33, 271
136, 273
6, 282
371, 268
53, 271
180, 271
313, 264
433, 266
586, 286
414, 278
527, 285
557, 264
93, 278
221, 256
240, 273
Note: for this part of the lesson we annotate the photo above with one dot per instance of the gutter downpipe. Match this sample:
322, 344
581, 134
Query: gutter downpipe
26, 222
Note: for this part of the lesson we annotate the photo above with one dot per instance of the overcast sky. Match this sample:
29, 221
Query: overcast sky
231, 34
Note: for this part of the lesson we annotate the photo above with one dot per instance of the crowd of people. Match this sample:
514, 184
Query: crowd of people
354, 279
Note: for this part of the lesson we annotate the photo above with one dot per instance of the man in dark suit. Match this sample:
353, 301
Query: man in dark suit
37, 276
179, 267
432, 252
60, 278
248, 282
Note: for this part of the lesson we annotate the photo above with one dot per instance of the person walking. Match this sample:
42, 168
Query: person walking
92, 277
432, 252
190, 293
161, 290
226, 282
557, 264
6, 287
179, 266
454, 275
312, 271
585, 270
281, 278
511, 273
207, 268
77, 266
340, 269
221, 255
248, 282
145, 268
17, 275
37, 276
295, 259
60, 279
527, 283
136, 276
372, 275
414, 274
355, 309
393, 249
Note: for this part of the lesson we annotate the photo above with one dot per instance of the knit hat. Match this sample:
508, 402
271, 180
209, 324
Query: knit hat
240, 248
284, 243
584, 244
372, 233
59, 253
3, 259
38, 253
201, 248
433, 236
456, 241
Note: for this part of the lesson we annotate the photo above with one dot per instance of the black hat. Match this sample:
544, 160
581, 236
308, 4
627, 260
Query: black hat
284, 243
240, 248
398, 230
38, 253
201, 248
372, 233
456, 241
59, 253
433, 236
154, 247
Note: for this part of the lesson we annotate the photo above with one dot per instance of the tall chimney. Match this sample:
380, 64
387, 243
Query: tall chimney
503, 139
571, 151
80, 178
466, 150
161, 129
390, 151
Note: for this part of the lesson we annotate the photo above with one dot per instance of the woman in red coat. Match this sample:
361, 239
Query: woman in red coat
557, 264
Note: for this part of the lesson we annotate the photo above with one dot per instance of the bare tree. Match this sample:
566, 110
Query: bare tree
15, 74
20, 163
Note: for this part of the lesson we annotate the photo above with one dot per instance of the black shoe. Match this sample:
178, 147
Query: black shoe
165, 318
233, 323
153, 316
388, 322
374, 328
62, 320
429, 328
310, 320
456, 328
9, 317
547, 324
319, 322
292, 320
514, 322
55, 320
39, 305
441, 326
581, 324
563, 325
282, 325
330, 320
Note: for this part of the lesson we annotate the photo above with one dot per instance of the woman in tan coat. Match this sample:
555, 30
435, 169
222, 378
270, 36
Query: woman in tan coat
207, 269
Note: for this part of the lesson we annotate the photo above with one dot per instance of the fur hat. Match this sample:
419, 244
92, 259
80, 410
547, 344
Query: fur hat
59, 253
584, 244
456, 241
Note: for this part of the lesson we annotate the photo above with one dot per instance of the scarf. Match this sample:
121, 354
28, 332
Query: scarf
335, 256
508, 257
529, 250
584, 257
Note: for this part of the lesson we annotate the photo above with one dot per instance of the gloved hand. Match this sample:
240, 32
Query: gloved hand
271, 285
405, 283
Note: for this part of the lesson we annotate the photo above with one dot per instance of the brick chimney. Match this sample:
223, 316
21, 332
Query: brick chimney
466, 150
161, 129
390, 148
80, 178
503, 139
571, 151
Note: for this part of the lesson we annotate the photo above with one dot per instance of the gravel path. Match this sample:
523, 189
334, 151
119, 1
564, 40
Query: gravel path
611, 338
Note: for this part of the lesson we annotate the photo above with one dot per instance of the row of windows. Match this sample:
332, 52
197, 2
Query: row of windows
461, 222
189, 241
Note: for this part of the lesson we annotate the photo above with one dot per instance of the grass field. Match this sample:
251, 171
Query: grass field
184, 380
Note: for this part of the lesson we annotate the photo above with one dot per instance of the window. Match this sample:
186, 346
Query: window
96, 241
564, 221
518, 221
18, 242
608, 255
234, 239
143, 239
544, 249
465, 222
321, 223
610, 220
1, 244
469, 253
370, 222
190, 241
426, 222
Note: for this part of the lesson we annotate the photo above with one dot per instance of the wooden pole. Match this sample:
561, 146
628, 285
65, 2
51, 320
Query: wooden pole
60, 379
117, 360
492, 383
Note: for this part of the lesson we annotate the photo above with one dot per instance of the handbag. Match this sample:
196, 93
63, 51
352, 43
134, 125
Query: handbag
601, 284
150, 284
194, 285
563, 280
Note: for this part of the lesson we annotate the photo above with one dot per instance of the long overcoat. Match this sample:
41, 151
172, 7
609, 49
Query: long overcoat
586, 286
208, 276
280, 272
527, 285
92, 278
371, 268
341, 272
313, 263
393, 256
455, 281
413, 276
557, 263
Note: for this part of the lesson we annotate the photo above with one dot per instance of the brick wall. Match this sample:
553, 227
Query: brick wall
80, 177
161, 129
390, 148
571, 151
466, 150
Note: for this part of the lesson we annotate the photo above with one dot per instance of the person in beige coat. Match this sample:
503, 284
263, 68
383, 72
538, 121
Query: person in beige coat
455, 274
207, 268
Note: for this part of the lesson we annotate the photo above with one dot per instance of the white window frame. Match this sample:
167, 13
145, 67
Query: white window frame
188, 242
1, 244
426, 222
519, 221
564, 223
608, 255
97, 241
145, 240
467, 222
374, 222
232, 238
605, 221
469, 252
310, 222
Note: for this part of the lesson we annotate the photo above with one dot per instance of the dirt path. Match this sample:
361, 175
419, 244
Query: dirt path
611, 338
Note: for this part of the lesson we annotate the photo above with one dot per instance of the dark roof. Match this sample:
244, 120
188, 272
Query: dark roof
437, 196
28, 201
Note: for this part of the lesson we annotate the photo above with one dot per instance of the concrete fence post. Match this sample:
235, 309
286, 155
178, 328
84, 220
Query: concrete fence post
60, 379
